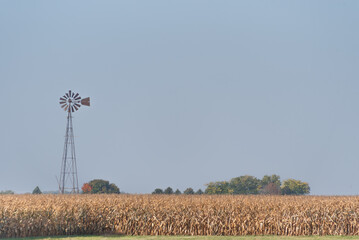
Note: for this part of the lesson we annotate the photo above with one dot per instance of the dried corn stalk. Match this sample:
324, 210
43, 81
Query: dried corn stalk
48, 215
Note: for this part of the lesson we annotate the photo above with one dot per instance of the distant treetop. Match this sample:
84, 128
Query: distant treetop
251, 185
7, 192
100, 186
36, 190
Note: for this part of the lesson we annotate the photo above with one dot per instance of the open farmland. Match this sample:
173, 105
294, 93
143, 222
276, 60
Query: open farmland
121, 237
50, 215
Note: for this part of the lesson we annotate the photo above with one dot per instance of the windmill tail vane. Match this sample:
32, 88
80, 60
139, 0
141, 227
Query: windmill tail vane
68, 182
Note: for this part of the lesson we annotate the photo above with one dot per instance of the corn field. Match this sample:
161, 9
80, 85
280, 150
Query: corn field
49, 215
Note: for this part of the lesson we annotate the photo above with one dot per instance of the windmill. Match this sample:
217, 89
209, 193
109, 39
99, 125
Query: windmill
70, 102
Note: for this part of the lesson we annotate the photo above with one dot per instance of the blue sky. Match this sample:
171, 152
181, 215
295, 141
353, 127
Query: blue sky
182, 92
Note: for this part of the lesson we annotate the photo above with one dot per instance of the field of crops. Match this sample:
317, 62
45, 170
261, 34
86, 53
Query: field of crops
49, 215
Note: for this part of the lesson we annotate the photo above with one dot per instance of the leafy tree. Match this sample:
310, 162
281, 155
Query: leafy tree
295, 187
157, 191
217, 188
36, 190
270, 185
102, 186
168, 190
244, 185
188, 191
113, 189
271, 189
99, 185
178, 192
199, 192
270, 179
86, 188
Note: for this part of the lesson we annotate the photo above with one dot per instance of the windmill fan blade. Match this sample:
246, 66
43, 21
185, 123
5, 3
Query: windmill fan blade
71, 101
85, 101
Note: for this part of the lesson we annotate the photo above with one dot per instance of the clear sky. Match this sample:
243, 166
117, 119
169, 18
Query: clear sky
182, 92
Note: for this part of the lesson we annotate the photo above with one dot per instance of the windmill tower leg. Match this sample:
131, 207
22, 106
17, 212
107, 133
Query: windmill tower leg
68, 175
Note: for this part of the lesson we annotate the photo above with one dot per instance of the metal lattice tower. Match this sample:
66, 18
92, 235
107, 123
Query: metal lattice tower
68, 182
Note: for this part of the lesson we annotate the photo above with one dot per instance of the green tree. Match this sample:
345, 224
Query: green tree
36, 190
188, 191
270, 185
103, 186
113, 189
217, 188
199, 192
270, 179
157, 191
168, 190
295, 187
178, 192
244, 185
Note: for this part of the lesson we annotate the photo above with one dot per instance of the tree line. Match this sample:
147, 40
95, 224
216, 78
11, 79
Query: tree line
6, 192
169, 190
268, 185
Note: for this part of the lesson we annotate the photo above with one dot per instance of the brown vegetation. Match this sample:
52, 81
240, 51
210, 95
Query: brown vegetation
44, 215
